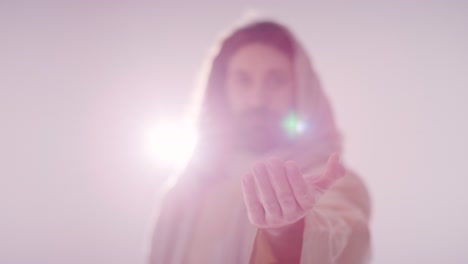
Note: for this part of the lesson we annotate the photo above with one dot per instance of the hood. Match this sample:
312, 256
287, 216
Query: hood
319, 140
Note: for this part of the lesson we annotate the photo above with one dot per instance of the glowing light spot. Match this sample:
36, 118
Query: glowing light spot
171, 143
293, 125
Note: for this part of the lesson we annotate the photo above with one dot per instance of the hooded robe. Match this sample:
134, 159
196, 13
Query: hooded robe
203, 218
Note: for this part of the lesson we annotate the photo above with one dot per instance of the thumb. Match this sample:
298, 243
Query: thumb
333, 172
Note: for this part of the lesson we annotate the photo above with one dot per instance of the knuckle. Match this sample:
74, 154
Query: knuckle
255, 207
287, 200
255, 219
272, 206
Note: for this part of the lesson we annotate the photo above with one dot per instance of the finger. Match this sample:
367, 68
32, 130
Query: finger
266, 192
298, 185
333, 171
255, 209
282, 188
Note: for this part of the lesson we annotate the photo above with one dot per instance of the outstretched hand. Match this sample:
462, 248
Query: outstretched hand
277, 195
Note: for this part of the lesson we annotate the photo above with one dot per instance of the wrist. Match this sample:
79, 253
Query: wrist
289, 231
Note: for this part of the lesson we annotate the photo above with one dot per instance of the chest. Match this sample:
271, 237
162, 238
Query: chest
221, 230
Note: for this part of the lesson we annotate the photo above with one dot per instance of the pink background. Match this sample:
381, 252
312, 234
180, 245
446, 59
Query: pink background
80, 82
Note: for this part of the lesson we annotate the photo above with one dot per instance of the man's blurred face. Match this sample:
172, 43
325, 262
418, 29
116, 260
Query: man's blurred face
260, 92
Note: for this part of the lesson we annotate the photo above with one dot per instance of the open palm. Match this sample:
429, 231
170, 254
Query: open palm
276, 193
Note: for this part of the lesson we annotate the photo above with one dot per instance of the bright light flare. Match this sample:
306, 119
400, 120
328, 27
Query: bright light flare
171, 143
293, 125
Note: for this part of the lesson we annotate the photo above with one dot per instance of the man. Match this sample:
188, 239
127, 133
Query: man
265, 184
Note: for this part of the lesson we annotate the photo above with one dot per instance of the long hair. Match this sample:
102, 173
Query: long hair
214, 121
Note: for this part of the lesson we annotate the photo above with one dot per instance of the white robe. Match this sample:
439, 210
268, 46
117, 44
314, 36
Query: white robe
209, 224
205, 221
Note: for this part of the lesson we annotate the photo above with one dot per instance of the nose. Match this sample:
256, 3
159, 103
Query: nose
258, 97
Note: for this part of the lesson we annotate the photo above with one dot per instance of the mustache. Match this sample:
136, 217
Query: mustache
258, 113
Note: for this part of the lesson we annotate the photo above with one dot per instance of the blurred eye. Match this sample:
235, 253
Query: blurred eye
276, 80
242, 80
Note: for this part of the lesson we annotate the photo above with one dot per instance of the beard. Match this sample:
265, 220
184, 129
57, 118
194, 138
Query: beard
259, 130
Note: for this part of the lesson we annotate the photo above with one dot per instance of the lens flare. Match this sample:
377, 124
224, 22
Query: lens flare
293, 125
171, 143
